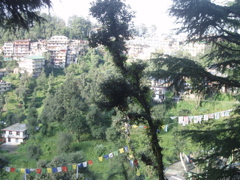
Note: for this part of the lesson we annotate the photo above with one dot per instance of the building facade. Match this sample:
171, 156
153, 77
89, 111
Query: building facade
4, 86
32, 65
15, 134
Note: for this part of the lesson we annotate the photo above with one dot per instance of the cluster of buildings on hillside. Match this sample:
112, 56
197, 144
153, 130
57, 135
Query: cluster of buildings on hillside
60, 49
60, 52
142, 48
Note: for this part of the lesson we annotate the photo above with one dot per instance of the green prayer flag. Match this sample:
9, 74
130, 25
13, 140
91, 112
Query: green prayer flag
69, 167
115, 153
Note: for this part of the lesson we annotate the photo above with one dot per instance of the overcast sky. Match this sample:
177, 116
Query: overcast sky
148, 12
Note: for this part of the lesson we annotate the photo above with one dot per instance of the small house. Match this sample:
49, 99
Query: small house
15, 134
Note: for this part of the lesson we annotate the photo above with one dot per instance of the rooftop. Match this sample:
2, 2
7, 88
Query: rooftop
16, 127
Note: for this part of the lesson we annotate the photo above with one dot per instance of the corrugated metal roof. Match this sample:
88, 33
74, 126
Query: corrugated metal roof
16, 127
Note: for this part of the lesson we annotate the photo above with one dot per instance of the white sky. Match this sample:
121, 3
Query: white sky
148, 12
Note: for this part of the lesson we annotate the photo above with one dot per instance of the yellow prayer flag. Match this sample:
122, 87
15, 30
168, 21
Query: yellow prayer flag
74, 166
49, 170
134, 126
100, 159
121, 150
22, 170
138, 172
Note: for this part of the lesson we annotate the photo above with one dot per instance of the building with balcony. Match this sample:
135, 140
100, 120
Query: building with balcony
15, 134
4, 86
32, 65
21, 48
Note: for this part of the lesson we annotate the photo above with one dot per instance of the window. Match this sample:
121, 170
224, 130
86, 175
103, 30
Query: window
16, 141
10, 132
18, 133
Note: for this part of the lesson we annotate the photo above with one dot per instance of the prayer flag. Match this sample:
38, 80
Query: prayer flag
110, 155
54, 170
22, 170
12, 169
216, 115
90, 162
85, 164
134, 126
136, 162
59, 169
141, 126
80, 165
27, 171
74, 166
131, 163
115, 153
7, 169
64, 169
38, 171
121, 150
49, 170
100, 159
69, 167
205, 117
166, 128
180, 119
18, 170
106, 156
44, 171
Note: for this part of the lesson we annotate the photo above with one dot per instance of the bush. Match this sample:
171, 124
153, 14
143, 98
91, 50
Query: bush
64, 142
34, 152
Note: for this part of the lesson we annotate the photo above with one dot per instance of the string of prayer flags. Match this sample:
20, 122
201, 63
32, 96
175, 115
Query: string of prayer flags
68, 167
184, 120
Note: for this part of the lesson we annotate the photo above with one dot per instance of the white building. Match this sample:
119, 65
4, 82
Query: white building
33, 65
4, 86
15, 134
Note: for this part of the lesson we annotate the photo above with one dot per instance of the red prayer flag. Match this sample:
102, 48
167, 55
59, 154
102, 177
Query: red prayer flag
90, 162
145, 127
12, 169
135, 162
39, 171
64, 168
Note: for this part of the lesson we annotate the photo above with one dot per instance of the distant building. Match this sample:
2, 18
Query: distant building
21, 48
33, 65
4, 86
15, 134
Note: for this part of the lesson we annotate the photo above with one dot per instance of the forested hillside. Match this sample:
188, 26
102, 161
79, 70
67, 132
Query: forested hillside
96, 119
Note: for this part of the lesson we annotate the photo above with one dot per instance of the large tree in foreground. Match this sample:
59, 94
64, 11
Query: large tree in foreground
21, 13
126, 87
218, 26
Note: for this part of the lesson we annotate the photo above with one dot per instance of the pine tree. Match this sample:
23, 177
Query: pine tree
217, 26
126, 87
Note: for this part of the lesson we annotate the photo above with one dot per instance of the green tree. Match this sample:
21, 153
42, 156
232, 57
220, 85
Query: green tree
79, 27
218, 26
21, 14
34, 152
126, 87
32, 120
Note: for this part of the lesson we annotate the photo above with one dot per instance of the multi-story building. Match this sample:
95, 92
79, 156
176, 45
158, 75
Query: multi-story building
4, 86
15, 134
58, 46
8, 51
21, 48
33, 65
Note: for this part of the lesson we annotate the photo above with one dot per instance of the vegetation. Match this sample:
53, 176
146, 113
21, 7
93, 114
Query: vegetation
104, 103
